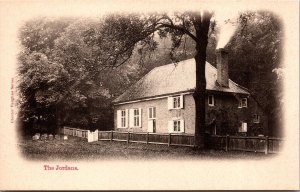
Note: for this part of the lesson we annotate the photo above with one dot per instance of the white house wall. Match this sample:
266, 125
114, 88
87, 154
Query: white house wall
163, 114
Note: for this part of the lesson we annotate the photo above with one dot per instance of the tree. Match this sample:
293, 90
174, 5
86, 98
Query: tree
255, 52
61, 79
122, 33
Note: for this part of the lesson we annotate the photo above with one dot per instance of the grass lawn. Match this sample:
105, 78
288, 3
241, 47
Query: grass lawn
77, 149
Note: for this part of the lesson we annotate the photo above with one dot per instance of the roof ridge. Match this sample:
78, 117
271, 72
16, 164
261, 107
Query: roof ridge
165, 65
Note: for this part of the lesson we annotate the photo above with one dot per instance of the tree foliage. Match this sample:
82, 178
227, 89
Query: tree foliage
63, 80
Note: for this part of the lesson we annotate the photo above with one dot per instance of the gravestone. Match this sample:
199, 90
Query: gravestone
38, 135
57, 137
65, 137
50, 137
35, 138
44, 137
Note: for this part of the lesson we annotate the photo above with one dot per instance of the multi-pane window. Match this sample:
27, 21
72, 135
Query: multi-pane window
123, 118
152, 113
176, 102
211, 100
176, 126
136, 118
256, 118
243, 102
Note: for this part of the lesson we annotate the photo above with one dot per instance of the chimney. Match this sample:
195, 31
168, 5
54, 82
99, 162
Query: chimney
222, 67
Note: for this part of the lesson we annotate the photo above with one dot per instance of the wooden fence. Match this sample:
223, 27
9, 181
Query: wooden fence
227, 143
75, 132
148, 138
239, 143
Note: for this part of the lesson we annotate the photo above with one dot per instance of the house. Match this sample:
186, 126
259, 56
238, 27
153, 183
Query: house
162, 102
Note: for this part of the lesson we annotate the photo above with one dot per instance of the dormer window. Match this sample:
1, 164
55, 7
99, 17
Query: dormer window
211, 100
243, 103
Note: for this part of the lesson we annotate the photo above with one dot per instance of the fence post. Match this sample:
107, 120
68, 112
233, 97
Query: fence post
266, 145
128, 137
227, 143
147, 138
111, 135
169, 140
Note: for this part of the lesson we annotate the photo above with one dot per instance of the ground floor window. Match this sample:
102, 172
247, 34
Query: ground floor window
122, 118
243, 127
136, 118
176, 126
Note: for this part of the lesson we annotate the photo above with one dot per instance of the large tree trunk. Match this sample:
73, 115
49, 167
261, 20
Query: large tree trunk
201, 27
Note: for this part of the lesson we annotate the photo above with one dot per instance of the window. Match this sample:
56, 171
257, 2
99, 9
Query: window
243, 102
175, 102
152, 113
122, 118
136, 118
243, 127
211, 100
176, 126
256, 118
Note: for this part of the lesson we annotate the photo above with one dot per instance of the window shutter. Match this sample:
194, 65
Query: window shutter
170, 126
140, 117
170, 103
181, 101
150, 126
182, 128
118, 118
131, 116
126, 118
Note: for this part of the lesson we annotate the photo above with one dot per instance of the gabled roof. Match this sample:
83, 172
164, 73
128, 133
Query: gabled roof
175, 78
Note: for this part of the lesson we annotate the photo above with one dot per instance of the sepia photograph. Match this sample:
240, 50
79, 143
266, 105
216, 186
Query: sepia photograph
104, 95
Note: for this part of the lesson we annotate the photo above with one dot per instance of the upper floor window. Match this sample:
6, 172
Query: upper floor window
243, 103
211, 100
256, 118
152, 113
175, 102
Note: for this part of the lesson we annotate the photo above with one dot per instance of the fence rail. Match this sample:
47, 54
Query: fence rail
239, 143
75, 132
144, 137
227, 143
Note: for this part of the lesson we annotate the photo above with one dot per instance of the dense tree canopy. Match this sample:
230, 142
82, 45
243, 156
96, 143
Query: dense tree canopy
62, 82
